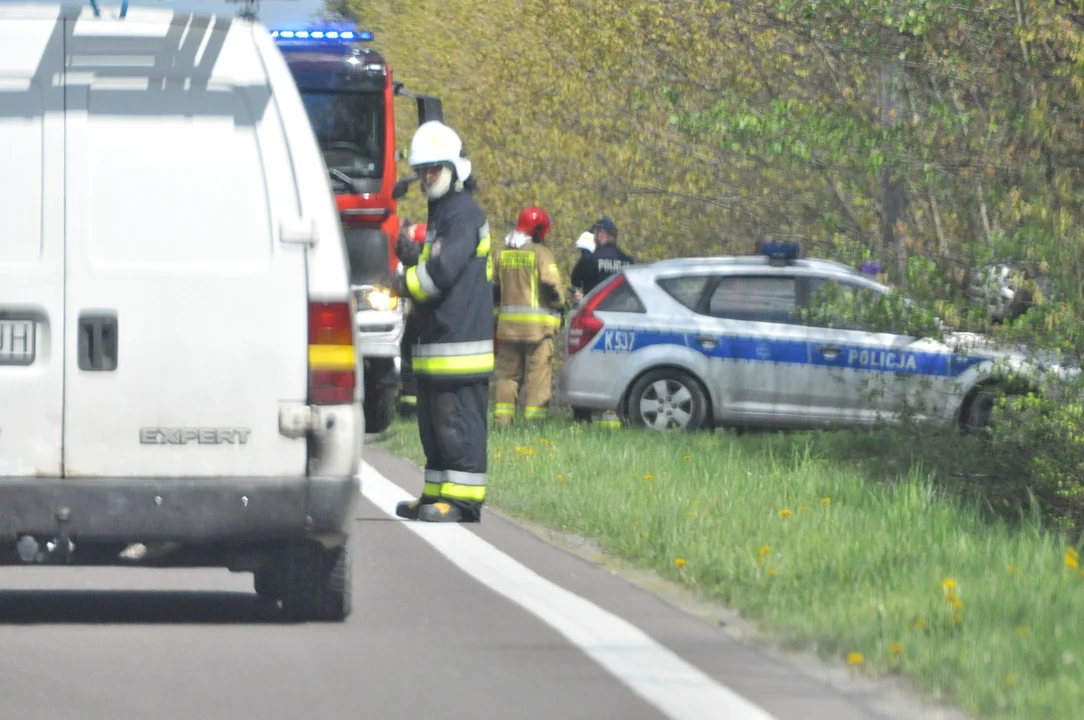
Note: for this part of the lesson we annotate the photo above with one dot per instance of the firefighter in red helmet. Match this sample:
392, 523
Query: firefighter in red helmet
528, 293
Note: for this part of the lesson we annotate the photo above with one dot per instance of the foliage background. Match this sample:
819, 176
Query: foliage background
930, 136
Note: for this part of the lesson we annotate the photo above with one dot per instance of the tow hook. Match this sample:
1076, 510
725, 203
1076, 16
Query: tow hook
60, 548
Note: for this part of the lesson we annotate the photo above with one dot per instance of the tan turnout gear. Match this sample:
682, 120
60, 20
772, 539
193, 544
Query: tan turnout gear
528, 316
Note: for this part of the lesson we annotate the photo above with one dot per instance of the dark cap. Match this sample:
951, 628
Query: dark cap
606, 224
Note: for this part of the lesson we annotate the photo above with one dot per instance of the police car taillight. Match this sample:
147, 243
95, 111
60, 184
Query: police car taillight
585, 325
332, 362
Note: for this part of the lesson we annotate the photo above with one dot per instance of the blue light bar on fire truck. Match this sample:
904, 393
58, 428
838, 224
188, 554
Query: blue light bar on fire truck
780, 253
323, 33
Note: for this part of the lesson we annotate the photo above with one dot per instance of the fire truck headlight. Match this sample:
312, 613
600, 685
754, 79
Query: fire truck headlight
379, 299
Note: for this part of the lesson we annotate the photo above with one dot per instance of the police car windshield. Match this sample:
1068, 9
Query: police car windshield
350, 129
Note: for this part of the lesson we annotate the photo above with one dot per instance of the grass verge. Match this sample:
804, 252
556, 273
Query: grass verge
893, 575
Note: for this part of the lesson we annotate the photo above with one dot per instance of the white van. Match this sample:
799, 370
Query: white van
178, 380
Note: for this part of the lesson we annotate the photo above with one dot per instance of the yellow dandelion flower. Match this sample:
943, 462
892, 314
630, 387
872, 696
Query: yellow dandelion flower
773, 572
919, 624
825, 502
679, 562
544, 441
896, 648
765, 549
687, 458
1010, 679
785, 513
803, 509
948, 584
855, 658
1072, 558
560, 478
649, 477
954, 601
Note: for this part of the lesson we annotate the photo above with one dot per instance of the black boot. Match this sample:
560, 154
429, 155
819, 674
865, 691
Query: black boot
409, 509
439, 511
444, 511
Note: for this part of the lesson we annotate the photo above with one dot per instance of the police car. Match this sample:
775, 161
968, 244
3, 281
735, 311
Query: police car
729, 341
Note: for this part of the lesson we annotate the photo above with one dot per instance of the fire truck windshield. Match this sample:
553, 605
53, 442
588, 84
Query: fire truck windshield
350, 129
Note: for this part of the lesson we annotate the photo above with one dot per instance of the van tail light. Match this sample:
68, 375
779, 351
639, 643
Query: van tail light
584, 324
332, 359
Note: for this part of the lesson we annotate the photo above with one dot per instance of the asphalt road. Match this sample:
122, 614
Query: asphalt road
449, 623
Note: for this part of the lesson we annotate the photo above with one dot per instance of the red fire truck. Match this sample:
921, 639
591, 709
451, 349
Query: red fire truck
349, 92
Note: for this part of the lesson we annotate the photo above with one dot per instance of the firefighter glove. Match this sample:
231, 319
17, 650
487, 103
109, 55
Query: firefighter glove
406, 249
402, 186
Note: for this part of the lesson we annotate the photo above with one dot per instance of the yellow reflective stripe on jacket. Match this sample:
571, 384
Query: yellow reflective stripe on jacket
454, 358
530, 315
419, 284
483, 250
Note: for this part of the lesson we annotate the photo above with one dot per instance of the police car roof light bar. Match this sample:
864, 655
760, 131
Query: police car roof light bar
780, 253
324, 33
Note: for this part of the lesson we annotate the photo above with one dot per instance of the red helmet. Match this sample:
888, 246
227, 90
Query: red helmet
533, 219
419, 233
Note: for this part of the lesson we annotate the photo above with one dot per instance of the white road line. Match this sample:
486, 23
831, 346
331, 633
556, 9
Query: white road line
679, 690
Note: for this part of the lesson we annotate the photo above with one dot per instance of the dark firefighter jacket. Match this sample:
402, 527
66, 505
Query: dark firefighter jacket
528, 286
452, 293
593, 268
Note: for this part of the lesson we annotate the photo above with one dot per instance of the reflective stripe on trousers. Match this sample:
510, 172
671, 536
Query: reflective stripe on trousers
454, 485
456, 358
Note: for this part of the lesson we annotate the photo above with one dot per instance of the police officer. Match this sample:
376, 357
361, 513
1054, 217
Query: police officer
528, 286
452, 295
607, 259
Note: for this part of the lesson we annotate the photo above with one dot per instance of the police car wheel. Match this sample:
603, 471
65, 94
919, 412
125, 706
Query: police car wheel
984, 408
667, 399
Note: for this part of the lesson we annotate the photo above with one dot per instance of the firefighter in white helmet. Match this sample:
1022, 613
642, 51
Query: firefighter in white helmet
450, 285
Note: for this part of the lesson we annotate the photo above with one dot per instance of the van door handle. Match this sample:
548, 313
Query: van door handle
98, 343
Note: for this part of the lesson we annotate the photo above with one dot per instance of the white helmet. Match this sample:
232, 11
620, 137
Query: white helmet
435, 142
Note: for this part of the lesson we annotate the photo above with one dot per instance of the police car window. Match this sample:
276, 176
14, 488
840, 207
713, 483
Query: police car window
686, 290
835, 304
622, 299
760, 299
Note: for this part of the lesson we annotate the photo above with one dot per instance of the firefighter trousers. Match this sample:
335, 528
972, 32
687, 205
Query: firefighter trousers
530, 364
452, 426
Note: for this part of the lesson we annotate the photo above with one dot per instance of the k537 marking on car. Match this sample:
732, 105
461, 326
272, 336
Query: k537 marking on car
619, 341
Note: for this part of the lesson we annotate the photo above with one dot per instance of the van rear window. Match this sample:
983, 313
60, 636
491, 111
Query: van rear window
177, 180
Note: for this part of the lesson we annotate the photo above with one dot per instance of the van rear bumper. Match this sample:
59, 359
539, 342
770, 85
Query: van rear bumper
182, 510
